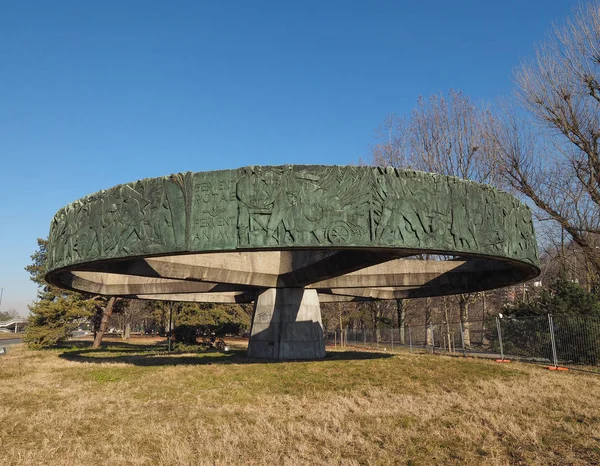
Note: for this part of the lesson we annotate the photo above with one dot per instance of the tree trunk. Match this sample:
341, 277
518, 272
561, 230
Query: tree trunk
126, 331
341, 328
449, 338
428, 335
463, 303
484, 306
401, 319
375, 314
104, 322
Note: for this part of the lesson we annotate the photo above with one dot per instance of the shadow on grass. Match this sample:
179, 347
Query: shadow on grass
157, 355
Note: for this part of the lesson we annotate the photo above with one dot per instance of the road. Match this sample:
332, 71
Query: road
12, 341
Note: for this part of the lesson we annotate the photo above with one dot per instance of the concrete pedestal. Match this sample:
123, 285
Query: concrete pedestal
287, 325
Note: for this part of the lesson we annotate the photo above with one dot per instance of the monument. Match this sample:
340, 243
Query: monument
290, 237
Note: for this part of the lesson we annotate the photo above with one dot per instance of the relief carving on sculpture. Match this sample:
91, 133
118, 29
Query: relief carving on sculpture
63, 233
253, 193
286, 194
287, 206
281, 206
349, 224
180, 193
215, 211
441, 215
462, 226
159, 217
398, 212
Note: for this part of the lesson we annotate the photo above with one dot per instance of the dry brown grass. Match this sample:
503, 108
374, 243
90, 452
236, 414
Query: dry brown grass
10, 336
136, 405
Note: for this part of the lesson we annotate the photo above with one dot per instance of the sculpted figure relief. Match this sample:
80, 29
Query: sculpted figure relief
463, 228
297, 207
308, 206
254, 194
400, 213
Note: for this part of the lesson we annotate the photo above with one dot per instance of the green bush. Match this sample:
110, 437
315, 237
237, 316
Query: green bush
576, 320
193, 322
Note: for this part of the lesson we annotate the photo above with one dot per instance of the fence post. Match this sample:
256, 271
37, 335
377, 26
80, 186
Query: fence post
410, 339
392, 337
432, 339
500, 338
170, 326
552, 340
462, 339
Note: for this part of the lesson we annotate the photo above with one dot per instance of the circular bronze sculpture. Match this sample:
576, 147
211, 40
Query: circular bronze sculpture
289, 237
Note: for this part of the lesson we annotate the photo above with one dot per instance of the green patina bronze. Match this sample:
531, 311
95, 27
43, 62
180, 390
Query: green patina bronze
286, 207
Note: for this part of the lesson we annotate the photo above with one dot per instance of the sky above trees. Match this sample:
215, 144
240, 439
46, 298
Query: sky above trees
97, 95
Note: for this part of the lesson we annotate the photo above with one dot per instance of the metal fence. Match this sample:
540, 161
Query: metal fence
556, 341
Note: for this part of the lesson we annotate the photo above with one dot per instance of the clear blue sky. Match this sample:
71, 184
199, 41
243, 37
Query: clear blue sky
93, 94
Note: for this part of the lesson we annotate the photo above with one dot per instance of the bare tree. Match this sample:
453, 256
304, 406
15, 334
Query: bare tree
444, 135
107, 312
428, 329
447, 135
401, 319
560, 88
392, 143
338, 315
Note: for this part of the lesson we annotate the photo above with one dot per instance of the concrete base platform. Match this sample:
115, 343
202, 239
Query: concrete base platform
287, 325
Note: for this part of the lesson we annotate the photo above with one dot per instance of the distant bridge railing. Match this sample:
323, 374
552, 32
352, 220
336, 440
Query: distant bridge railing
13, 325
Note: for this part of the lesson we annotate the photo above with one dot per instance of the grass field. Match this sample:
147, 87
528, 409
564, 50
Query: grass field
10, 336
135, 404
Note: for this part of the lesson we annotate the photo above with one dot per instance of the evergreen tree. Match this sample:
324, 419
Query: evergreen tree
576, 324
57, 312
193, 320
562, 297
5, 315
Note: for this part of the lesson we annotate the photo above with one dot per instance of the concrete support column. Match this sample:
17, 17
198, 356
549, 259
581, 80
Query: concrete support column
287, 325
